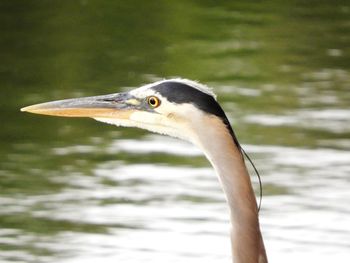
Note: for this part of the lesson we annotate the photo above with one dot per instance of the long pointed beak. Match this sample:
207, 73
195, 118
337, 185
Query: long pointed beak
118, 105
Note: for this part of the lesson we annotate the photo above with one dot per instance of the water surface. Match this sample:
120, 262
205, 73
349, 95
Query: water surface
74, 190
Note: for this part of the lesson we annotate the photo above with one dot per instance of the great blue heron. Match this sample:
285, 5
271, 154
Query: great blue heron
188, 110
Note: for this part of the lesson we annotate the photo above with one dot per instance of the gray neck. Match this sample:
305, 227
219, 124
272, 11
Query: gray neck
227, 160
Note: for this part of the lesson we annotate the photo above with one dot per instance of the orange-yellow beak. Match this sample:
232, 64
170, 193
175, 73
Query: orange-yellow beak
118, 105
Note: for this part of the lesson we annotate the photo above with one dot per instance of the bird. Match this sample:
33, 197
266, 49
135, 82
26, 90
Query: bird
187, 110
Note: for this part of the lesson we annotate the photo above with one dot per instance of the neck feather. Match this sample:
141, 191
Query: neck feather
225, 155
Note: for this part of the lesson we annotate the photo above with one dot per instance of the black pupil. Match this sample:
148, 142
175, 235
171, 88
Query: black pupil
152, 101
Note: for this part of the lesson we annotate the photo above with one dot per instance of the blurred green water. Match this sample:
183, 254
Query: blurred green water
263, 59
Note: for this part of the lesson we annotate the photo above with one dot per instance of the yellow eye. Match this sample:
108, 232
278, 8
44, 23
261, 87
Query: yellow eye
153, 101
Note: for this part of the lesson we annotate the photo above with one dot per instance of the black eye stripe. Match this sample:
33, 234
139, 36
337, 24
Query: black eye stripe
182, 93
179, 93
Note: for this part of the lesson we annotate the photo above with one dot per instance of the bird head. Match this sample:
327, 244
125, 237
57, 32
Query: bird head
176, 107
